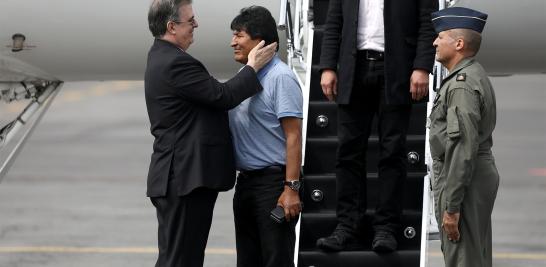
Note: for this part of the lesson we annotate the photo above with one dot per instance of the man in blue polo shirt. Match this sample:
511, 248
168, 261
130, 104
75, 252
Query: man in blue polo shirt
266, 130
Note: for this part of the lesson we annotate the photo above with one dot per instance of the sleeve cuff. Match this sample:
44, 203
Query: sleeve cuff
290, 114
427, 68
453, 209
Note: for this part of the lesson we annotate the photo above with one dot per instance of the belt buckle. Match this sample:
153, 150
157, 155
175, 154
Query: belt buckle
374, 57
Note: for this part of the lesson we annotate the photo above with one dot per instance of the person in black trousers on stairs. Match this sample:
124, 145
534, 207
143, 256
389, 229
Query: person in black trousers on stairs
376, 58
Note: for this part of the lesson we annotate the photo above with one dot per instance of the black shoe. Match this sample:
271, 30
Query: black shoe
338, 240
384, 241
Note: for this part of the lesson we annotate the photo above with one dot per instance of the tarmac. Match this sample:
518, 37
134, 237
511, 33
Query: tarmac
76, 194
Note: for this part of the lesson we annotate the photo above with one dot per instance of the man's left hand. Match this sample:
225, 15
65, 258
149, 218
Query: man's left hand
290, 201
259, 56
419, 84
450, 224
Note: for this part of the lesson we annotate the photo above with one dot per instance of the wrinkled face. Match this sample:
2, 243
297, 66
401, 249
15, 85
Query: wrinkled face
242, 43
445, 47
183, 29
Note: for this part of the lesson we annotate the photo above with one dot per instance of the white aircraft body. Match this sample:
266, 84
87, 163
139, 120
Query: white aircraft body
92, 41
105, 40
74, 40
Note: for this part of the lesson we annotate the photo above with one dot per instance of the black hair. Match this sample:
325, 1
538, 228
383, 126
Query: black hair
257, 22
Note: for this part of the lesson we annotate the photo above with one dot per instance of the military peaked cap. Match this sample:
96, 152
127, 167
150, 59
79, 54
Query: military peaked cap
458, 18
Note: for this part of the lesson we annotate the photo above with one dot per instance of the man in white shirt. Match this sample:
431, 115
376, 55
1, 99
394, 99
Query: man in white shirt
376, 58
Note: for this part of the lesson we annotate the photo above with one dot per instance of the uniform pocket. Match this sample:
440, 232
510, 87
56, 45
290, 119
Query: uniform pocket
453, 130
437, 187
437, 167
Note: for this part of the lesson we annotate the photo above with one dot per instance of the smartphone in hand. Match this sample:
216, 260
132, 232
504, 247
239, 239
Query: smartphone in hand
277, 214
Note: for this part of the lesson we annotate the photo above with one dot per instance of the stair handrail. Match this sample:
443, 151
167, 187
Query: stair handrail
295, 29
299, 39
429, 226
41, 95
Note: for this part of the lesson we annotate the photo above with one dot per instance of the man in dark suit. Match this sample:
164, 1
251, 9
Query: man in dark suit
376, 57
192, 153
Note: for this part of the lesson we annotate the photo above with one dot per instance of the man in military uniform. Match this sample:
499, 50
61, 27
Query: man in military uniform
461, 123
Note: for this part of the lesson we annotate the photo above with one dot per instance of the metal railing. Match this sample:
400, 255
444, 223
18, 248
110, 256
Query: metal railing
299, 38
299, 42
15, 133
429, 226
296, 29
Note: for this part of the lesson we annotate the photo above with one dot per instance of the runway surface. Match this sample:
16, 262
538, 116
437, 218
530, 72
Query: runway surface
76, 194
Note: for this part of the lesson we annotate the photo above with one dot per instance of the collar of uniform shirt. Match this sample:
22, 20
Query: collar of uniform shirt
461, 65
261, 73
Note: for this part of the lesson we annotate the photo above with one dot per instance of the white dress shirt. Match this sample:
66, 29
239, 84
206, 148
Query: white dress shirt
371, 32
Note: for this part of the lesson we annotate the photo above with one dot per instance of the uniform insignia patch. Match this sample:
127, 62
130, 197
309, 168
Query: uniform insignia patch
461, 77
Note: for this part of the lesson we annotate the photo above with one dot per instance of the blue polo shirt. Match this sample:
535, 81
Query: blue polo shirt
255, 124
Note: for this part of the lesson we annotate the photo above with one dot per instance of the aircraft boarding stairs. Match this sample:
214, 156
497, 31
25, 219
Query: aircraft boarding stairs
28, 91
318, 217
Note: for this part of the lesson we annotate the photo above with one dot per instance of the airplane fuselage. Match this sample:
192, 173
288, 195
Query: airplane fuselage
97, 40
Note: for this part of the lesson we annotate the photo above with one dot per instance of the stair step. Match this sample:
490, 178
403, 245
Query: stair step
329, 110
320, 154
317, 225
400, 258
326, 185
318, 218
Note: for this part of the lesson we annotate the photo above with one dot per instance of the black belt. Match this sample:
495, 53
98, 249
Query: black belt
267, 170
371, 55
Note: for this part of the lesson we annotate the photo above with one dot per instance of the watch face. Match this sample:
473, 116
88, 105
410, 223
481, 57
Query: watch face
297, 185
294, 185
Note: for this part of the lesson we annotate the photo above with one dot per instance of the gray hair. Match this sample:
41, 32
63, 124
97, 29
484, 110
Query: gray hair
472, 39
161, 12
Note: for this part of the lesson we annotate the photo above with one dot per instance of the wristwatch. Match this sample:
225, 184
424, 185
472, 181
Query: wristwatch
293, 184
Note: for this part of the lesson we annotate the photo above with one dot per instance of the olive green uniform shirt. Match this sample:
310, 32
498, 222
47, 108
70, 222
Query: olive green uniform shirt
461, 123
465, 176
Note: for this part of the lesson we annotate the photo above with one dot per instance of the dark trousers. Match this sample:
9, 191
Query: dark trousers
354, 127
183, 226
261, 242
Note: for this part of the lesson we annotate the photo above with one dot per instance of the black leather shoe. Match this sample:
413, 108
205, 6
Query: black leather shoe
338, 240
384, 241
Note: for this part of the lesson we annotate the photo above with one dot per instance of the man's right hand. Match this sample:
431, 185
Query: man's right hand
260, 55
450, 224
328, 82
290, 201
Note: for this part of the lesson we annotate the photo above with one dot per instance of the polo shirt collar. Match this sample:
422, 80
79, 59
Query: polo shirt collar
261, 73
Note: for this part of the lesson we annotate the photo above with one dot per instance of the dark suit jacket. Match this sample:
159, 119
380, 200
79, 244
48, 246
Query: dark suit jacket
188, 115
408, 44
